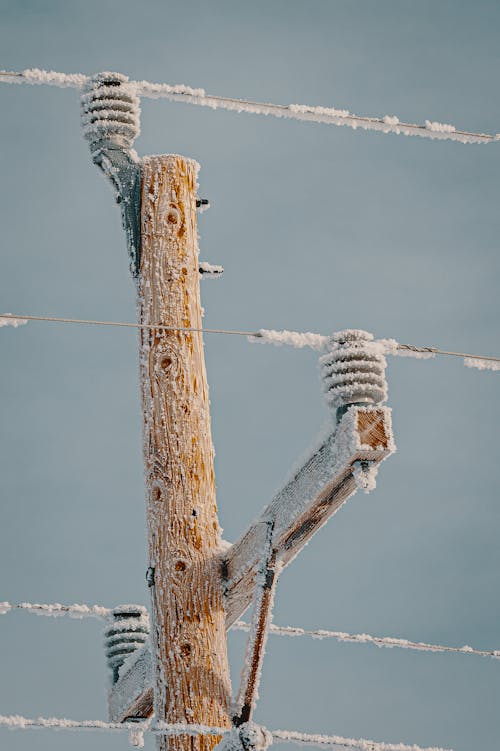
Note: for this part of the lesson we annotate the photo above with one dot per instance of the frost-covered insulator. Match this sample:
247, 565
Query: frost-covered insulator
110, 111
128, 631
353, 371
246, 737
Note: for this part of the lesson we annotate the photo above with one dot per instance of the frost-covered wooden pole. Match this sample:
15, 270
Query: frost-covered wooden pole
158, 198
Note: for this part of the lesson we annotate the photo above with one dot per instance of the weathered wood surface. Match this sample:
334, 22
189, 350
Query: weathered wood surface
306, 502
191, 673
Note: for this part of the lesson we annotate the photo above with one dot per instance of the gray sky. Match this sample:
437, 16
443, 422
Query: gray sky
318, 228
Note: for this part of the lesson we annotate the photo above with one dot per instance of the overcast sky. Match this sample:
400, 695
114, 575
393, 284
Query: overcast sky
318, 228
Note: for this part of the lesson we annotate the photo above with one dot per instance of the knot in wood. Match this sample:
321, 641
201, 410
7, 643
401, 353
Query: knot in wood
165, 361
171, 214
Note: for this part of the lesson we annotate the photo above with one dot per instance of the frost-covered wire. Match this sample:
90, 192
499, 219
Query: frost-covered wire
180, 93
378, 641
56, 610
124, 324
18, 722
296, 339
383, 346
9, 320
79, 611
339, 742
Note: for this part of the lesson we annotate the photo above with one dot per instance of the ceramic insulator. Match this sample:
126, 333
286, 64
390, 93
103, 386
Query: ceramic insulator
110, 110
353, 371
128, 631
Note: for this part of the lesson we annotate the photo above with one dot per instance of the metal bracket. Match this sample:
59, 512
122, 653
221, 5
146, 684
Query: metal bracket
150, 577
124, 172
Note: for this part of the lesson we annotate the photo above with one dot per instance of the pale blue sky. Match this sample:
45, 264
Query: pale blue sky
318, 228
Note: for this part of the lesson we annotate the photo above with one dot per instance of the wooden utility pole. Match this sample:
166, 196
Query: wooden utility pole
188, 632
197, 589
188, 637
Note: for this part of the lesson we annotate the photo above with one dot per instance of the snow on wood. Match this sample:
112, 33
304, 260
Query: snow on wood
266, 579
188, 627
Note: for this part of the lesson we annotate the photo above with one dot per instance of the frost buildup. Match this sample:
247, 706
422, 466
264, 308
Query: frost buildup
7, 319
110, 110
439, 127
246, 737
353, 371
136, 738
481, 363
293, 338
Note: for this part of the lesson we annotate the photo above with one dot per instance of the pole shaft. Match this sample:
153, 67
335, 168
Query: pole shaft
188, 635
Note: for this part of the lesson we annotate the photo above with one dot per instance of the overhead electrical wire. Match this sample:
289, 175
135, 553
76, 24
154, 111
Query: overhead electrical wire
56, 609
379, 641
270, 336
98, 611
328, 115
17, 722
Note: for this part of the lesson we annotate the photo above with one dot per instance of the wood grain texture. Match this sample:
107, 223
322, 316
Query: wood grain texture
191, 674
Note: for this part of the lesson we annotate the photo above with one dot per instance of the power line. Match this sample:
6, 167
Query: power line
18, 722
379, 641
337, 741
56, 609
98, 611
328, 115
155, 327
269, 336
